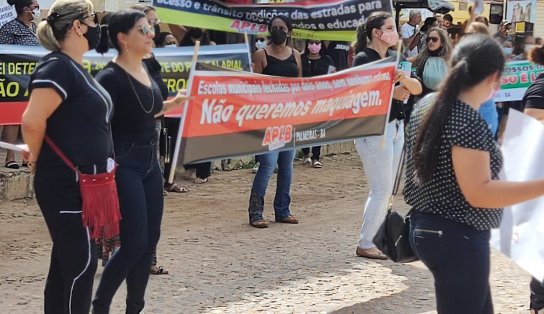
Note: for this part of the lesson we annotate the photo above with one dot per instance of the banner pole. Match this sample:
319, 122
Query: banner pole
246, 39
183, 116
397, 60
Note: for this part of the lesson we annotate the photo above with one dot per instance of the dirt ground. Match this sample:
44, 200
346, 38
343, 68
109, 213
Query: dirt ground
219, 264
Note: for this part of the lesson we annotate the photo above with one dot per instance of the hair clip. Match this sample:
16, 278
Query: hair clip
52, 17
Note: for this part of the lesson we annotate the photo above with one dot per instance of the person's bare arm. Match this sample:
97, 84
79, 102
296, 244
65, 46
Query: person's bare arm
299, 62
472, 171
177, 101
535, 113
411, 84
43, 102
259, 61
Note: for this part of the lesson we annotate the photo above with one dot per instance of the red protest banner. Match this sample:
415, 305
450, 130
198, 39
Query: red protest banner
233, 114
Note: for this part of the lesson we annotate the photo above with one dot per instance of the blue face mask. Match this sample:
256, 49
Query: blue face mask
507, 51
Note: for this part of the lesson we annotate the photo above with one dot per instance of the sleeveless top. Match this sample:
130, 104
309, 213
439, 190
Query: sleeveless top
284, 68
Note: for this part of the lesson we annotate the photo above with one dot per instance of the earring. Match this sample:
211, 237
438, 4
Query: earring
126, 47
80, 34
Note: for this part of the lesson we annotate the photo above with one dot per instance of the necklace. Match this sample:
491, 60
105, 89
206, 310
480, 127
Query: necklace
138, 97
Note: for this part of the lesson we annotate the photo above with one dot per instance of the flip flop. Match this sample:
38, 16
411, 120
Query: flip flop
201, 180
175, 188
158, 270
12, 165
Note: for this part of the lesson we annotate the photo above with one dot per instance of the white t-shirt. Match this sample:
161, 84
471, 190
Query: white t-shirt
407, 31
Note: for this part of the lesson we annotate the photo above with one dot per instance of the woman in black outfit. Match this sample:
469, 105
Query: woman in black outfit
74, 111
276, 59
533, 102
137, 100
314, 63
203, 170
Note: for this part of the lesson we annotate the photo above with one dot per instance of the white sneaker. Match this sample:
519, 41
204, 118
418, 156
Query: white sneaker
307, 160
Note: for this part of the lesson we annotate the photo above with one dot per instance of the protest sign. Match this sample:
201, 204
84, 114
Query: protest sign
515, 80
7, 12
235, 114
317, 19
522, 228
17, 63
521, 11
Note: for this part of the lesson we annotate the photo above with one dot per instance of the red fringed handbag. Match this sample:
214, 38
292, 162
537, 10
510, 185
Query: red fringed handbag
100, 204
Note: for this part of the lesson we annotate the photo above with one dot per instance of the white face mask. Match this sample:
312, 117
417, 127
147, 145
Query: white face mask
170, 46
529, 47
260, 44
36, 12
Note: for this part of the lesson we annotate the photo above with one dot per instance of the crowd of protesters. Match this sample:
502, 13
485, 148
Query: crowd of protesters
451, 169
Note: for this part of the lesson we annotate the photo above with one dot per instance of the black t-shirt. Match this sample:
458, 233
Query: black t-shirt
80, 127
316, 67
154, 68
534, 96
442, 195
370, 55
338, 51
135, 103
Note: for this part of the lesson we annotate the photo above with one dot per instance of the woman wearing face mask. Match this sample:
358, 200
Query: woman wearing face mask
167, 40
381, 154
260, 42
276, 59
20, 31
137, 99
452, 179
432, 62
314, 63
65, 99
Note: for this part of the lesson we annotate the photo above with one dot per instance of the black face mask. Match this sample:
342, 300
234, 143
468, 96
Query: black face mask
278, 36
93, 36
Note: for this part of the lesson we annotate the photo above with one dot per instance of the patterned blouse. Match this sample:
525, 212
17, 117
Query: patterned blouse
442, 194
16, 33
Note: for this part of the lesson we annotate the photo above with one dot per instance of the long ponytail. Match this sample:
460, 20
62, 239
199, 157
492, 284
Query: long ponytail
364, 31
430, 133
474, 59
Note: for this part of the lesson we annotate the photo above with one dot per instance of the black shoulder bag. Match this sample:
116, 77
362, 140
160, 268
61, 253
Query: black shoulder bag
393, 236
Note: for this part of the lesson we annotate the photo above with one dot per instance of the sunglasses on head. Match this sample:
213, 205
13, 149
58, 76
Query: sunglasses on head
146, 29
433, 39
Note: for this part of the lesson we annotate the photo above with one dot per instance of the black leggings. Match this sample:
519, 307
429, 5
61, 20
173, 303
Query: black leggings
69, 284
537, 295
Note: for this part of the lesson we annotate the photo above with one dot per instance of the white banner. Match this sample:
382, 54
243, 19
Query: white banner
7, 12
521, 234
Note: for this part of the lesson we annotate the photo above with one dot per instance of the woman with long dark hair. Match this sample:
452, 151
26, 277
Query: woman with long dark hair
452, 179
432, 62
276, 59
314, 63
69, 107
380, 155
137, 100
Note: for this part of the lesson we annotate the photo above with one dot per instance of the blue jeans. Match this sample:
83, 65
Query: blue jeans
139, 184
459, 258
268, 162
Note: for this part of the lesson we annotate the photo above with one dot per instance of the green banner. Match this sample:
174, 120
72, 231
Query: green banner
318, 19
516, 78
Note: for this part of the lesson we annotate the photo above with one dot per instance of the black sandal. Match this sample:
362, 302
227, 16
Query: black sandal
12, 164
157, 270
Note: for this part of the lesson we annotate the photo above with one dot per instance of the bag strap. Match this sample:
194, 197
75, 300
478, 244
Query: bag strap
57, 150
398, 176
